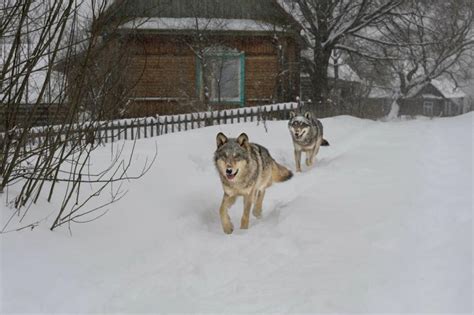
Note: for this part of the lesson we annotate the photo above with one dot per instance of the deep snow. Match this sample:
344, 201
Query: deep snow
382, 223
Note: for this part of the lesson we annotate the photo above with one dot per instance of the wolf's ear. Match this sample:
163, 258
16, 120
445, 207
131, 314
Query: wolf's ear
308, 115
292, 114
243, 140
221, 139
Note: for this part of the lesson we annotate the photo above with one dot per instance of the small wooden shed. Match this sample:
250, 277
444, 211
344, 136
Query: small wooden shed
435, 98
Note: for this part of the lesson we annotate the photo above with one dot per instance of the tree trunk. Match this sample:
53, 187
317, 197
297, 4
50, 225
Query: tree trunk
320, 81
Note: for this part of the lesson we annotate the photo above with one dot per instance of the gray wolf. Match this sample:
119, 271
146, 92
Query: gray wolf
307, 134
245, 169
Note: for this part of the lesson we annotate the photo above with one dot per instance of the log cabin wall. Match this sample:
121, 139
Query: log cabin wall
164, 70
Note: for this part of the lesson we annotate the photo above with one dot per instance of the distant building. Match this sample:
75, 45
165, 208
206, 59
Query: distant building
35, 79
437, 98
343, 80
379, 101
20, 92
349, 94
186, 54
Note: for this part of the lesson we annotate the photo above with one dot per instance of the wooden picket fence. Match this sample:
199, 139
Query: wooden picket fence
133, 129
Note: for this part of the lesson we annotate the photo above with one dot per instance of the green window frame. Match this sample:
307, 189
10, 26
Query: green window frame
428, 108
222, 56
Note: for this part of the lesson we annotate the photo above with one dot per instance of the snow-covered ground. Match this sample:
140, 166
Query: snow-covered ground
382, 223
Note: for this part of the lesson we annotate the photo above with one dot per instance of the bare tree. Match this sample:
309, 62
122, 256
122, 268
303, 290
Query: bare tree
202, 43
59, 72
326, 26
424, 41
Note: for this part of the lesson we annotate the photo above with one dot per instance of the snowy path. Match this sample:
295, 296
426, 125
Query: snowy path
383, 223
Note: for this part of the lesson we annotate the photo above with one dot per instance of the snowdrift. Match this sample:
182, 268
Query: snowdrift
382, 223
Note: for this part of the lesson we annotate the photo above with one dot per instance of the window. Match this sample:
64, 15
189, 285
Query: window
428, 108
223, 75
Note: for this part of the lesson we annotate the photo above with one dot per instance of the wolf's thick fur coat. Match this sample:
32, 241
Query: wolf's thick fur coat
307, 134
245, 169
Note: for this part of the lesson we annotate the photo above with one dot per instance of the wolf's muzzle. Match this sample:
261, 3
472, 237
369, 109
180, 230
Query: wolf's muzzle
299, 135
229, 173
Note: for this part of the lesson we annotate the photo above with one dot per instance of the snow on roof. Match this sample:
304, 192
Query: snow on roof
431, 96
202, 24
448, 88
444, 86
415, 90
381, 92
257, 10
345, 72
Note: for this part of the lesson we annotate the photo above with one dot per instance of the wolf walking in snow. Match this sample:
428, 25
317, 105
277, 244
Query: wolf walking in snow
245, 169
307, 134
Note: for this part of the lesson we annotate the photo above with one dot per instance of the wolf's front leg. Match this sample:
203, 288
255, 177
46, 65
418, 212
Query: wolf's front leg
314, 152
227, 202
310, 157
257, 210
298, 160
248, 200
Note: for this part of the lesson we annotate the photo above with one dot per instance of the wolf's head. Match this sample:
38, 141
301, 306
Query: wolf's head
300, 125
232, 156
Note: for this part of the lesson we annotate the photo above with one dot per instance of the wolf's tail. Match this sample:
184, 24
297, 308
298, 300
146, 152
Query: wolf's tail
324, 143
280, 173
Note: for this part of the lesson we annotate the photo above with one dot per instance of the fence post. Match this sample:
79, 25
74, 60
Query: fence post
158, 125
139, 127
106, 132
125, 129
132, 130
98, 135
112, 131
145, 131
119, 136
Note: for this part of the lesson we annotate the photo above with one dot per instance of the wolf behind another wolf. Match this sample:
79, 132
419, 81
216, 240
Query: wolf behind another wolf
245, 169
307, 134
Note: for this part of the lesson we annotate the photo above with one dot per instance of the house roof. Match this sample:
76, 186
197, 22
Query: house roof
268, 11
448, 89
444, 87
181, 24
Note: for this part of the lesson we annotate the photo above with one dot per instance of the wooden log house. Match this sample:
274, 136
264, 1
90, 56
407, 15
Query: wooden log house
194, 55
